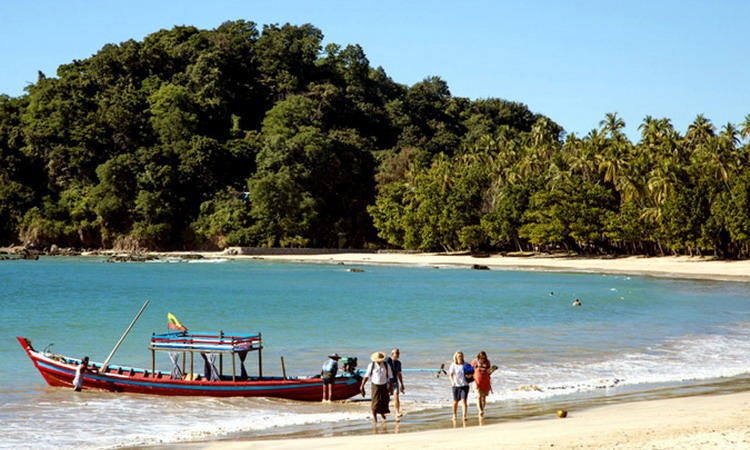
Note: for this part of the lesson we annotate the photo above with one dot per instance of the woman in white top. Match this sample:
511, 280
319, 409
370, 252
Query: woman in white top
459, 383
379, 372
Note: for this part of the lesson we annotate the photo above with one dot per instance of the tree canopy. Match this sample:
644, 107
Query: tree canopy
197, 138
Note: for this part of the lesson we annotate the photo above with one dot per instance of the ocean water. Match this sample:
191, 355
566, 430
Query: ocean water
634, 336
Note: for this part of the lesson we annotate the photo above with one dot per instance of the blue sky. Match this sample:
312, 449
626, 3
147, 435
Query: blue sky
571, 60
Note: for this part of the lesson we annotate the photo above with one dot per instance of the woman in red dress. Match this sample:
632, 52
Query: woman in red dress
482, 380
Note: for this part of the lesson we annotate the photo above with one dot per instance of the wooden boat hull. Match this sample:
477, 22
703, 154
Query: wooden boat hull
58, 372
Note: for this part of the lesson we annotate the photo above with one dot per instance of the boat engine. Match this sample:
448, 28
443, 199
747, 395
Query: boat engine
349, 364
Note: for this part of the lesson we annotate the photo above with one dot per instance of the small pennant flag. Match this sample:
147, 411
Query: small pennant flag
173, 323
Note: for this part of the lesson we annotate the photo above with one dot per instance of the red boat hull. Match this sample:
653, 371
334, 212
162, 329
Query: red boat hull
59, 372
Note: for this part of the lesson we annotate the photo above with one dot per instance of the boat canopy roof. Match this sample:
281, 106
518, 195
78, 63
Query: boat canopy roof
183, 341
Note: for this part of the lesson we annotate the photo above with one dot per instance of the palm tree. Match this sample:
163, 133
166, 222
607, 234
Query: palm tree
663, 180
612, 125
745, 127
730, 134
700, 130
581, 154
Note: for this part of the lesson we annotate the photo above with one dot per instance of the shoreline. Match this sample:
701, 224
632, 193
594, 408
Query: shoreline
662, 266
687, 422
689, 267
595, 427
623, 427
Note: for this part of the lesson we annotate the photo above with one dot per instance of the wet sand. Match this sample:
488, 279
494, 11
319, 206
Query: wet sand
716, 421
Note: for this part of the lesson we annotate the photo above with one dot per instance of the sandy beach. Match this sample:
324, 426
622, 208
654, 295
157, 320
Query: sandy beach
693, 422
718, 421
706, 421
671, 266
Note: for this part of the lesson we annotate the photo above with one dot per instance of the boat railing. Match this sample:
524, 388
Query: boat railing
206, 343
200, 342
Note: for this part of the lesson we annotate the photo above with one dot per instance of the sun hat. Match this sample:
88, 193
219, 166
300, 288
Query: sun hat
334, 356
378, 357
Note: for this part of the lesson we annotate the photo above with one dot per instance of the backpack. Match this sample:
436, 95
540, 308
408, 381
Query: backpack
469, 372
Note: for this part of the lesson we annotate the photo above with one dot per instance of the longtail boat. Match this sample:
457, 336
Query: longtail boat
59, 370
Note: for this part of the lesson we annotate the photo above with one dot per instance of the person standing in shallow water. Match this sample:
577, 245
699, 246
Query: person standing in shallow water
459, 384
80, 371
379, 372
397, 382
328, 375
482, 380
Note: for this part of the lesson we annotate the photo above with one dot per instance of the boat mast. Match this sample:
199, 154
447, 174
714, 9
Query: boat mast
122, 338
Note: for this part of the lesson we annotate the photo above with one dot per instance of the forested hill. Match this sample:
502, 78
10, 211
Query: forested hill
236, 136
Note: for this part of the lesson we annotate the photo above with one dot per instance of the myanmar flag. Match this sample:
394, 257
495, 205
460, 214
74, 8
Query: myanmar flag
173, 323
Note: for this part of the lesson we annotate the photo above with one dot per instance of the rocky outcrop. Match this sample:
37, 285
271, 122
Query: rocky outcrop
20, 253
54, 250
186, 256
130, 257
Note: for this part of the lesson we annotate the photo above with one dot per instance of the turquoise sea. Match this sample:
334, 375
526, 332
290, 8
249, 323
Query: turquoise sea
634, 337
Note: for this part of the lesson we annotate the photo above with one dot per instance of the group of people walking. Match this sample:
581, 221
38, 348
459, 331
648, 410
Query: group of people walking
385, 376
462, 375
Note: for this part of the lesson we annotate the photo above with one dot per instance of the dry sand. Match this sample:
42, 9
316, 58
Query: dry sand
717, 422
676, 266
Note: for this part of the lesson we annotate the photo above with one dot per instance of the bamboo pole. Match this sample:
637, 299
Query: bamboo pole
283, 367
122, 338
234, 371
153, 362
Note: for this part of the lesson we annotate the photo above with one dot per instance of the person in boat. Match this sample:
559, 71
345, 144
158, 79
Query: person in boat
576, 302
81, 369
328, 375
379, 373
397, 380
459, 384
482, 372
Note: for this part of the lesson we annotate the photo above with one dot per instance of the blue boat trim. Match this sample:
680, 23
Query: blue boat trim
347, 381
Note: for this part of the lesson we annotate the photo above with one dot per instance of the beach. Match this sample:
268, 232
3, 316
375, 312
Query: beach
672, 266
708, 421
716, 421
637, 339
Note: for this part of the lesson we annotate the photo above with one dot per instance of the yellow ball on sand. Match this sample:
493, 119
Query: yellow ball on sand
562, 413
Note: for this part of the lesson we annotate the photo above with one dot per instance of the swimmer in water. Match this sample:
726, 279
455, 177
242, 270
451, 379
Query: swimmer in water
576, 302
551, 293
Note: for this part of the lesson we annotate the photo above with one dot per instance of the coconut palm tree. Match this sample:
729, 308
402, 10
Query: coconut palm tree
611, 124
700, 130
745, 127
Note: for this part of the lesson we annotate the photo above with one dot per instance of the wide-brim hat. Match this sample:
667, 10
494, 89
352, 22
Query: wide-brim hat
334, 356
377, 357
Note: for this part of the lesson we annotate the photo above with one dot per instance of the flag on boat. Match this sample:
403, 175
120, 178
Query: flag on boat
173, 323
